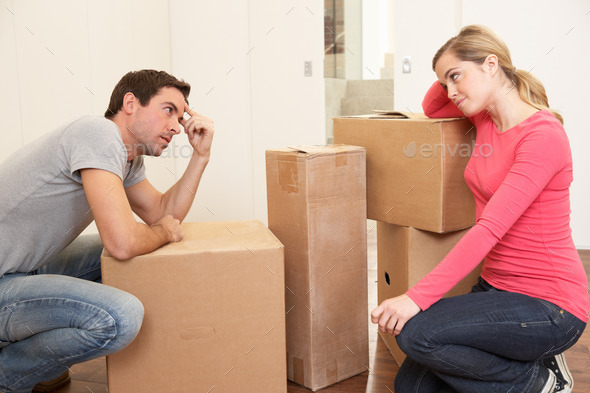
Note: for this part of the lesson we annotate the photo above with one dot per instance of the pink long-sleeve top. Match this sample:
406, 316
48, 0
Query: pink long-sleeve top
520, 179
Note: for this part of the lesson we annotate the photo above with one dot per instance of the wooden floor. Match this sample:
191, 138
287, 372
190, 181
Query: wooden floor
90, 377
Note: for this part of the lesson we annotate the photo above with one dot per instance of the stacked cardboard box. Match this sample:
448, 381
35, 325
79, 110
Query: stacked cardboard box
214, 313
317, 209
416, 192
414, 169
404, 256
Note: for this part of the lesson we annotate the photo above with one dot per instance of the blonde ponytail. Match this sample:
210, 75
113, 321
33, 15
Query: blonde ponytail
475, 43
532, 92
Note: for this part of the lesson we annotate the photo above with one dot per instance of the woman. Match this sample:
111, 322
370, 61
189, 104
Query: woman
531, 302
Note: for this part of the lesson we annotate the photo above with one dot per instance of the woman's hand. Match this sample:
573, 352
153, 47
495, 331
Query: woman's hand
392, 314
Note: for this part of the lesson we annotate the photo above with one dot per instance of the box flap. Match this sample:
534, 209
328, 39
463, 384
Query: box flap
325, 149
316, 150
399, 115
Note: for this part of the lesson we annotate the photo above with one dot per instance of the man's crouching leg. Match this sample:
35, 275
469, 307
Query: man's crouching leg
51, 322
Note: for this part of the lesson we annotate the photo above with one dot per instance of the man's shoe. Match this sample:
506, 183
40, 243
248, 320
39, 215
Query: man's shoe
565, 381
54, 384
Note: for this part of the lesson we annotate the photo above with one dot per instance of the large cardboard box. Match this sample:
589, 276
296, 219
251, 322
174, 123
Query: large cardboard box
415, 168
404, 256
317, 209
214, 313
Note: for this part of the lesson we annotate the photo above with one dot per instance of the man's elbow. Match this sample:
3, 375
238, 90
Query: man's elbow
120, 253
119, 249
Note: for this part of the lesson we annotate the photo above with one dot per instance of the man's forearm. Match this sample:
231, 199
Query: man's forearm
141, 238
178, 200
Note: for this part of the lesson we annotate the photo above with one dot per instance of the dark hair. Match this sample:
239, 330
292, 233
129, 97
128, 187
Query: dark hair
144, 85
475, 43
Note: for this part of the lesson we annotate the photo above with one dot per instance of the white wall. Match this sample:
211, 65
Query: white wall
244, 59
251, 54
376, 40
61, 59
10, 108
551, 40
353, 38
287, 107
209, 42
420, 28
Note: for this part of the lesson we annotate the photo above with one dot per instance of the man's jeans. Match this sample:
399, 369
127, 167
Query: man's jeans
486, 341
61, 315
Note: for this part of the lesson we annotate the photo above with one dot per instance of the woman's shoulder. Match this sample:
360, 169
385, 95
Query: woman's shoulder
543, 133
543, 122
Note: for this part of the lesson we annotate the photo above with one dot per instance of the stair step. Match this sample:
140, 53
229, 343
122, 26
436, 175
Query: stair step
352, 106
369, 87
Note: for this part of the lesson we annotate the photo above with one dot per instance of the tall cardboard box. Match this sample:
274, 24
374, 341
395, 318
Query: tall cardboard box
317, 209
214, 313
404, 256
415, 168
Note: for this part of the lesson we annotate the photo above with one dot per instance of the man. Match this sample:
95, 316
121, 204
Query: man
53, 310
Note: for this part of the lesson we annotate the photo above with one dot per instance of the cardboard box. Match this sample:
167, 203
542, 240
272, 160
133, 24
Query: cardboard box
214, 313
415, 168
317, 209
404, 256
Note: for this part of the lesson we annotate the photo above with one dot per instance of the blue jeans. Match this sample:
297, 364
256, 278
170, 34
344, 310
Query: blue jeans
61, 315
485, 341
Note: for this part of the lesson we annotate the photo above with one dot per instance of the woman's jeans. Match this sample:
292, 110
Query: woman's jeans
485, 341
61, 315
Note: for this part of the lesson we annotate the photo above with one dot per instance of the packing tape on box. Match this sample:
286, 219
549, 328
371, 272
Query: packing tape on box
325, 150
288, 175
298, 371
332, 371
288, 165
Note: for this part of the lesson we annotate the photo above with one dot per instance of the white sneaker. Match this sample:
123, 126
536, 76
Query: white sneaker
549, 386
558, 365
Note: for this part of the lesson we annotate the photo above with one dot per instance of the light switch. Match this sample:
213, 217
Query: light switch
407, 65
307, 68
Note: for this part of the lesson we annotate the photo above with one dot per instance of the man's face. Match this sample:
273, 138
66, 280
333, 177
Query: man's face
155, 124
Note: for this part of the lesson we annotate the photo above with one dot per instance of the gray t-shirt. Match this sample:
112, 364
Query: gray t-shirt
43, 207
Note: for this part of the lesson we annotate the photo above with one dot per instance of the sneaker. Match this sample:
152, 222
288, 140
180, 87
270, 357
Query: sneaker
545, 382
54, 384
565, 381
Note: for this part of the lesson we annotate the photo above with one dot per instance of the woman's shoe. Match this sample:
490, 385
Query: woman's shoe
545, 382
565, 381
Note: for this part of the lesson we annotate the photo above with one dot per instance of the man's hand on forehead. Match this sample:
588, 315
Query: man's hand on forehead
199, 130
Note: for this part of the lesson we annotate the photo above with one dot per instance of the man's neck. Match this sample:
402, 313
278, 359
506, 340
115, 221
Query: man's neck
126, 136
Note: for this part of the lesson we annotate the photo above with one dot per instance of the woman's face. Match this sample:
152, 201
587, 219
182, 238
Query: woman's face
467, 83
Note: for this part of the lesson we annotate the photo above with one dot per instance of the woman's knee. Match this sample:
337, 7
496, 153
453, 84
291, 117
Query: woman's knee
411, 338
403, 340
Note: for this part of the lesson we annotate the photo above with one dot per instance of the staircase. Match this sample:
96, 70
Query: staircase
362, 96
355, 97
